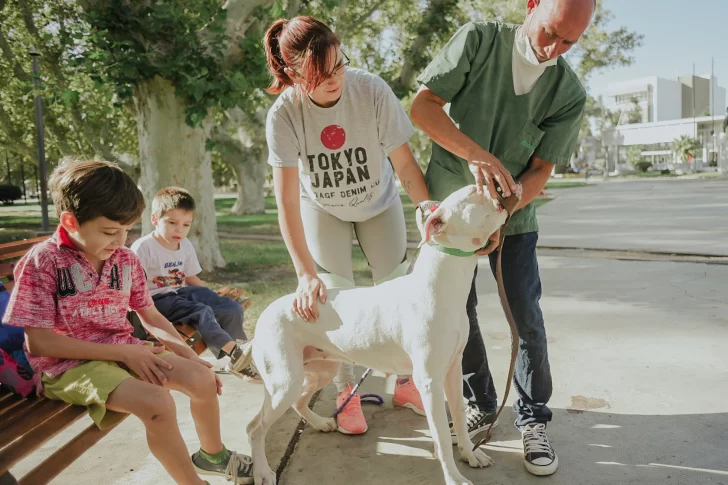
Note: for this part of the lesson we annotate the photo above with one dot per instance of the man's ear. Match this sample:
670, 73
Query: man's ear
435, 224
69, 221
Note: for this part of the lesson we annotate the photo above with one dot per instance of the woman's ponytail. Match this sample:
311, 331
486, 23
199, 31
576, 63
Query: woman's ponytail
274, 56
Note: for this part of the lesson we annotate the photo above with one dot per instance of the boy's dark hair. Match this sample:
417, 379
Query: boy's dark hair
95, 188
171, 198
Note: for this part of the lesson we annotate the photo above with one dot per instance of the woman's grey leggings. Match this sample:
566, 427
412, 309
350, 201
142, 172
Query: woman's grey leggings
383, 240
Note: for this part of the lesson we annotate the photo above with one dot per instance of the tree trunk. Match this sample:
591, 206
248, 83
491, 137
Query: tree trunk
251, 186
173, 153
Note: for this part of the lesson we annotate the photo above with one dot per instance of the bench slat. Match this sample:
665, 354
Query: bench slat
67, 454
33, 440
22, 408
13, 255
16, 246
9, 401
31, 418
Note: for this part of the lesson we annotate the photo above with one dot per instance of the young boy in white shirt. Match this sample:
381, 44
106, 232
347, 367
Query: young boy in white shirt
171, 265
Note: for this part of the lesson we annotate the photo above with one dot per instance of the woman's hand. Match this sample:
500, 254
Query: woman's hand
310, 290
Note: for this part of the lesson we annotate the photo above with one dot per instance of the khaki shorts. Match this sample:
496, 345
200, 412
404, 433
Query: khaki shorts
90, 384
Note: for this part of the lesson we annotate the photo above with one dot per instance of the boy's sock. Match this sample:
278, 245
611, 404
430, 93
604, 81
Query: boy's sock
217, 458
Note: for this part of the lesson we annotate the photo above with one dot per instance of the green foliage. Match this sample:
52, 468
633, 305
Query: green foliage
685, 147
183, 42
10, 193
81, 116
634, 154
601, 48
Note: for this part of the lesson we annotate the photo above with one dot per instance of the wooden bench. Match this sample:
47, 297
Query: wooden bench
26, 424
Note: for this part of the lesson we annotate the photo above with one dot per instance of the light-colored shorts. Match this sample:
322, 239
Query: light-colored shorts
90, 384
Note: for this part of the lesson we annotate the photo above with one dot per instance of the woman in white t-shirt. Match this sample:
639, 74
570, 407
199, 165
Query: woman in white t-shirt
331, 135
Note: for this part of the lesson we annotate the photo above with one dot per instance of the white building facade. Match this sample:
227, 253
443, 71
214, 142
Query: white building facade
668, 109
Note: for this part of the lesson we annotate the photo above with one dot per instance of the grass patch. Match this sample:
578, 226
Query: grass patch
648, 175
12, 234
565, 185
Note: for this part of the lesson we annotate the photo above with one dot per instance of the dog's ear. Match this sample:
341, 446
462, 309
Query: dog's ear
434, 225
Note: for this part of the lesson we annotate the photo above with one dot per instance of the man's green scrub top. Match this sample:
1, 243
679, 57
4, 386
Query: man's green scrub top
474, 73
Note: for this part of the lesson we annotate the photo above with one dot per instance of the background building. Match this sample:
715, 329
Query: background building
652, 113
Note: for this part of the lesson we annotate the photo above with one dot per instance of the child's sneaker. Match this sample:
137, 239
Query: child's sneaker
241, 362
406, 395
351, 419
236, 467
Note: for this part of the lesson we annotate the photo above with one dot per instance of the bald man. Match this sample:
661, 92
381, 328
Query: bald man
515, 111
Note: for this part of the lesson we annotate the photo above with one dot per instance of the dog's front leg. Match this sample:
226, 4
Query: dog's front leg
433, 399
454, 393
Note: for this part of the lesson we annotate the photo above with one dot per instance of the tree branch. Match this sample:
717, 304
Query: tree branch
361, 18
28, 19
239, 18
20, 74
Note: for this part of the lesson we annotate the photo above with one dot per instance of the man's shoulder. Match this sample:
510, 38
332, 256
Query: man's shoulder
489, 29
571, 80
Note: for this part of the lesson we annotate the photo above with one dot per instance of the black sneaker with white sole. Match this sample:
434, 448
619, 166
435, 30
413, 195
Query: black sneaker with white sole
539, 456
478, 421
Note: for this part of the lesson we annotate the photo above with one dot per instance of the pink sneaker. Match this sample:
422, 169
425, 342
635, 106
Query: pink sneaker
407, 396
351, 419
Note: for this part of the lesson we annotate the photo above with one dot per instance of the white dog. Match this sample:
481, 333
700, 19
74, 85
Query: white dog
415, 324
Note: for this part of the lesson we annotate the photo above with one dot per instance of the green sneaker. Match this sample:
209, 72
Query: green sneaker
238, 468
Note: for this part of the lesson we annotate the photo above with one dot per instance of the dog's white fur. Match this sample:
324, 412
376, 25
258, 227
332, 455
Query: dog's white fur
415, 324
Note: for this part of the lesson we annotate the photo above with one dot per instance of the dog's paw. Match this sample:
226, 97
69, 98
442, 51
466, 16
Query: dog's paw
476, 459
267, 477
325, 425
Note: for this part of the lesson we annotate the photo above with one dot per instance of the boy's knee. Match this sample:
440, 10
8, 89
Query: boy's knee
201, 383
158, 406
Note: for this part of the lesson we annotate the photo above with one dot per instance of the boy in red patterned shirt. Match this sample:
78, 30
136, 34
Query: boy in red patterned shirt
72, 293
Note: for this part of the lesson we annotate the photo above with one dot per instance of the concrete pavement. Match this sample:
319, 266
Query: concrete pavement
684, 216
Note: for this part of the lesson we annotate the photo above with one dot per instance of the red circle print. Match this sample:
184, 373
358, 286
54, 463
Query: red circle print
333, 137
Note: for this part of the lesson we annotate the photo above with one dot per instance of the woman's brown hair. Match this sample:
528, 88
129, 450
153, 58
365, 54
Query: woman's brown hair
304, 45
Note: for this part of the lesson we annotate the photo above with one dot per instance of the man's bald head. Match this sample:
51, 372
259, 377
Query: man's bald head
554, 26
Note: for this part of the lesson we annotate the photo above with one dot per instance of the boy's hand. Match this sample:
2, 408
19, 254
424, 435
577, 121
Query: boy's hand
192, 355
143, 361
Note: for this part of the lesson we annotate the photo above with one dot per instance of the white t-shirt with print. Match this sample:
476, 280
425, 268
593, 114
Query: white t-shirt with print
166, 269
341, 151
